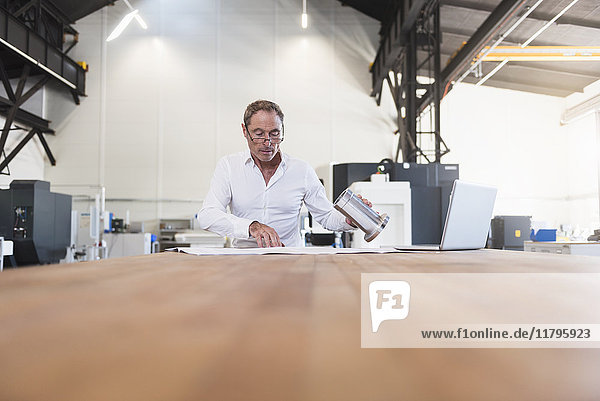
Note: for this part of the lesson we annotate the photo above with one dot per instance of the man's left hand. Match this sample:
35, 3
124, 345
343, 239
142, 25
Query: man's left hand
366, 202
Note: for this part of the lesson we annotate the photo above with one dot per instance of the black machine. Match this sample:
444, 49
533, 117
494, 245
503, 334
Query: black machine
510, 232
36, 220
430, 186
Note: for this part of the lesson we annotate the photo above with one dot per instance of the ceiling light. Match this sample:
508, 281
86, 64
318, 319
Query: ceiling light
122, 25
304, 15
138, 18
140, 21
125, 21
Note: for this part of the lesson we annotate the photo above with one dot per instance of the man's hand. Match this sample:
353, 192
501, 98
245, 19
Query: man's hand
366, 202
265, 236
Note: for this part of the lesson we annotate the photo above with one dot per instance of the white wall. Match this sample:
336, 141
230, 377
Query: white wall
581, 167
515, 140
164, 104
582, 136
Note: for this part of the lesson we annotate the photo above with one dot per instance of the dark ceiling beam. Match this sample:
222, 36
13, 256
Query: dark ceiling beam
76, 9
371, 8
59, 14
26, 7
536, 15
25, 117
44, 54
46, 148
17, 149
27, 95
393, 41
12, 111
412, 9
6, 81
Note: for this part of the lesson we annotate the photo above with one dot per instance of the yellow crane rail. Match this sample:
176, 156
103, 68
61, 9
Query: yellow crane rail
541, 53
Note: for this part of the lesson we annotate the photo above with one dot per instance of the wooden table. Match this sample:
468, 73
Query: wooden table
274, 327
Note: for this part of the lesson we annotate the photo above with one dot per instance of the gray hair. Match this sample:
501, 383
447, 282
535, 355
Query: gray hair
258, 105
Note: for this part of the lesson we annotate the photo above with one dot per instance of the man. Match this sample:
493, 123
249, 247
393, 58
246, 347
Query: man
264, 188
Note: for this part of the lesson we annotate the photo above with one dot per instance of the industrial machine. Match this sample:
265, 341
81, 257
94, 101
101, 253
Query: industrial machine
510, 232
36, 220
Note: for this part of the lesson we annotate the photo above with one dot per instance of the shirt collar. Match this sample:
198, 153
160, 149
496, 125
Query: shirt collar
248, 158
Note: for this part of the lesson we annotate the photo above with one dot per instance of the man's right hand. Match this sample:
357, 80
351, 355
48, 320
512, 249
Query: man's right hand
265, 236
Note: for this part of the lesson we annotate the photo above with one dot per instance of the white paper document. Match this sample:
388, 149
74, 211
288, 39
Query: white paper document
309, 250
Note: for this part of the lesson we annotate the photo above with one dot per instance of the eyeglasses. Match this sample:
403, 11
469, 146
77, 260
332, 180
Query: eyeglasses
263, 138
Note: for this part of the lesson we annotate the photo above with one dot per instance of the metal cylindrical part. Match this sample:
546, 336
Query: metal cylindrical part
362, 215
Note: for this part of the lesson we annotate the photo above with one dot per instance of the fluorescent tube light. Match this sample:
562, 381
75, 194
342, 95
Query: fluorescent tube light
122, 25
140, 21
304, 15
138, 18
542, 29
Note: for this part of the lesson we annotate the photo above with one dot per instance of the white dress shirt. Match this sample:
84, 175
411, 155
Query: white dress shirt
239, 184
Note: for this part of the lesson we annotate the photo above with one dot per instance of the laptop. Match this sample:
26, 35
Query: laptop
467, 221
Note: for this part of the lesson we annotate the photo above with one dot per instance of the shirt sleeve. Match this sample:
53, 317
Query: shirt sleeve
213, 216
320, 207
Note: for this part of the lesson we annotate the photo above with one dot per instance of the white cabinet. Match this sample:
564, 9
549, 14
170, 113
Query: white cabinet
394, 199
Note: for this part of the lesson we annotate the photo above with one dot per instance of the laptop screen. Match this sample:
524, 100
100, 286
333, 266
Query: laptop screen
469, 215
